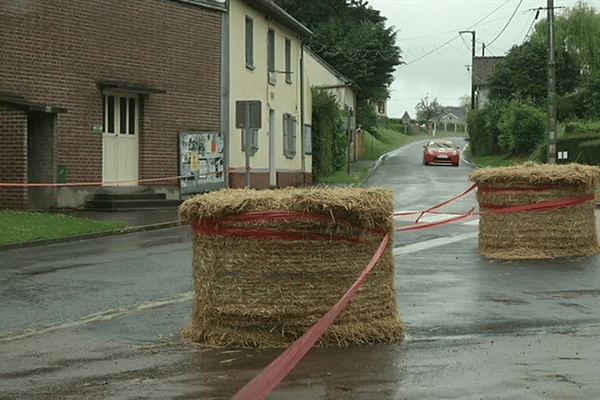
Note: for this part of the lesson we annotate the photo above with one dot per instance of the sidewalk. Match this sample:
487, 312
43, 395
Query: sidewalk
131, 218
146, 218
136, 221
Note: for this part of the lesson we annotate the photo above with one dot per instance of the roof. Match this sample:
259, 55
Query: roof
483, 68
347, 82
19, 103
214, 4
138, 87
272, 10
456, 113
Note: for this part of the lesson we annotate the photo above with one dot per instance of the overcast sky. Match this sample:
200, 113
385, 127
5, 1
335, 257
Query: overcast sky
432, 26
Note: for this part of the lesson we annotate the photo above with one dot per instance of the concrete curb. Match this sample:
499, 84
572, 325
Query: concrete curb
75, 238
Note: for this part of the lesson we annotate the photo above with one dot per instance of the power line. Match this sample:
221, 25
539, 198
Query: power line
537, 14
454, 38
507, 23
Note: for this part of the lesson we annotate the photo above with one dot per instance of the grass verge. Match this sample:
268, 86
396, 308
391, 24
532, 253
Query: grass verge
498, 160
22, 226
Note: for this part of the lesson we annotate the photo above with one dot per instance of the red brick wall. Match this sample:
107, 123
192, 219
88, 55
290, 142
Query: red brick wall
54, 51
260, 180
13, 158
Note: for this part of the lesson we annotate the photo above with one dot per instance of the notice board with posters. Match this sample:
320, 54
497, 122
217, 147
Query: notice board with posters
201, 161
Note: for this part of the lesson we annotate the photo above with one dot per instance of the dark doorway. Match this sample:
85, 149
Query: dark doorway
41, 165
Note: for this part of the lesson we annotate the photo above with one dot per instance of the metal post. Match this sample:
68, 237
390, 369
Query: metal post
472, 67
551, 87
247, 133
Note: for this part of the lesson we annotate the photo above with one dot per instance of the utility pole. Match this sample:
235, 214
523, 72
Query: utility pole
472, 67
551, 88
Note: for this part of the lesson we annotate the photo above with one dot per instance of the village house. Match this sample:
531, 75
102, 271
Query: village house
98, 92
104, 104
267, 68
483, 68
323, 76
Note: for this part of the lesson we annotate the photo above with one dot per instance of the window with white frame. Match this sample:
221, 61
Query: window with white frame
249, 42
271, 56
120, 113
289, 135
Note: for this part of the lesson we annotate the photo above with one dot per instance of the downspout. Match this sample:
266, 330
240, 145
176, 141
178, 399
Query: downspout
355, 133
225, 90
303, 156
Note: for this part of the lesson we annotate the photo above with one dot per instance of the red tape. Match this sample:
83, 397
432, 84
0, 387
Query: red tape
525, 189
274, 373
214, 228
219, 227
109, 183
493, 208
541, 206
462, 217
442, 204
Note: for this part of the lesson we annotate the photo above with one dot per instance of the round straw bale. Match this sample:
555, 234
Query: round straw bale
563, 232
267, 293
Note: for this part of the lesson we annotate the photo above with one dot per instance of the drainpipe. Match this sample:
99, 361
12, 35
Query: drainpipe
225, 90
303, 157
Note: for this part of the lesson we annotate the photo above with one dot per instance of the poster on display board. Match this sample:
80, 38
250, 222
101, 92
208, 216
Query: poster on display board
201, 161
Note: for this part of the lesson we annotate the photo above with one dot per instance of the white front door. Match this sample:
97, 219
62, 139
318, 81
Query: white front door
120, 139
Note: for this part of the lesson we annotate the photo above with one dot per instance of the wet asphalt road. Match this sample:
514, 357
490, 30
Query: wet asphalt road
100, 318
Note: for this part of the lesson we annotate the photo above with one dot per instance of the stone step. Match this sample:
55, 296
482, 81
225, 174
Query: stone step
130, 201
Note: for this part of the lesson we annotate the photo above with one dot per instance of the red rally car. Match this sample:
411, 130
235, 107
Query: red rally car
441, 152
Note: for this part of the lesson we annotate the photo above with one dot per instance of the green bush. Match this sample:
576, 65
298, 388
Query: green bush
590, 152
483, 129
522, 128
329, 139
582, 128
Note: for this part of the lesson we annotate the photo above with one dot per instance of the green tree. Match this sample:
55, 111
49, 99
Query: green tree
577, 33
584, 103
352, 37
523, 75
429, 111
522, 128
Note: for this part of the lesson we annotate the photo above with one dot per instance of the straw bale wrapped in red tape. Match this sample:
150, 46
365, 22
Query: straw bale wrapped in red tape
561, 232
267, 292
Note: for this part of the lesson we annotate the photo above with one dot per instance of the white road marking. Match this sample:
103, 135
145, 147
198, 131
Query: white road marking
99, 316
428, 244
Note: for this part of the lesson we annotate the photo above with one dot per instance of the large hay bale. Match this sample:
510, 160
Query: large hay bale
563, 232
267, 293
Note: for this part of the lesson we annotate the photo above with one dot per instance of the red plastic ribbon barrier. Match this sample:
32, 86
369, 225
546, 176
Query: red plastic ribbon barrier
461, 217
541, 206
442, 204
274, 373
219, 227
526, 189
171, 178
214, 228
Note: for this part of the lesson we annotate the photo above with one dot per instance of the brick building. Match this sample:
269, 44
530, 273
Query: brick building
98, 91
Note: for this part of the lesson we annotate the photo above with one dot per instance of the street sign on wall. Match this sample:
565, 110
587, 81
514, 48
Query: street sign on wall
248, 114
